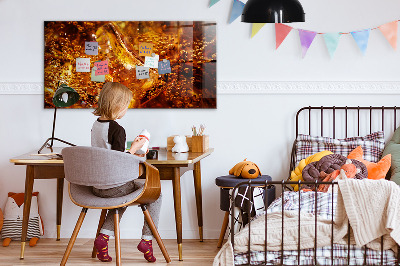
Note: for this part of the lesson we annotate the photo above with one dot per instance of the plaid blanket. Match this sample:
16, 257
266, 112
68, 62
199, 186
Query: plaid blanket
321, 204
324, 257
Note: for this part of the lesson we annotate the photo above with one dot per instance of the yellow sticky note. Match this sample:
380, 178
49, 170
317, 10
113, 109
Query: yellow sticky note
145, 49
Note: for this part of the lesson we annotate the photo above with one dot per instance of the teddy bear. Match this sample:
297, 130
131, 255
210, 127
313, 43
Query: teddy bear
13, 215
245, 169
180, 144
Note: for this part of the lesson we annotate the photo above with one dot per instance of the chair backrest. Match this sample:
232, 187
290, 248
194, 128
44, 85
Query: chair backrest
92, 166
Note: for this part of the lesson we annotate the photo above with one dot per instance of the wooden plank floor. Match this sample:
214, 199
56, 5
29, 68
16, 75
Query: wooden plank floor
50, 252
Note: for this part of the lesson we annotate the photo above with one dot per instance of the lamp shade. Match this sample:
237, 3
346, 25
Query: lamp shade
273, 11
65, 96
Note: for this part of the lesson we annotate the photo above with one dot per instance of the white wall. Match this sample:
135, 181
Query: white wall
258, 127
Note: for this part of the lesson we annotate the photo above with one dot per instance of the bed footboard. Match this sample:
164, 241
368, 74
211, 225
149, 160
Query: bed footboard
349, 254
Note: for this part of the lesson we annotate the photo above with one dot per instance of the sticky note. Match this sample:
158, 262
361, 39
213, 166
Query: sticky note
151, 61
145, 49
83, 65
102, 67
164, 67
98, 78
91, 48
142, 72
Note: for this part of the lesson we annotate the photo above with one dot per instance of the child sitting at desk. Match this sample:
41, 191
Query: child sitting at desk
106, 133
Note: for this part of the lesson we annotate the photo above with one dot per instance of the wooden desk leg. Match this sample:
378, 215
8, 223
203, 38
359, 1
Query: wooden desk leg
199, 204
223, 229
176, 184
60, 190
27, 206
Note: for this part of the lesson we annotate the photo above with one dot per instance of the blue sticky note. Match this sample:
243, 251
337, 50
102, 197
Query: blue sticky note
164, 67
91, 48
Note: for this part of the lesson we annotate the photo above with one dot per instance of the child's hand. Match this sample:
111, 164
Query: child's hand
142, 155
137, 144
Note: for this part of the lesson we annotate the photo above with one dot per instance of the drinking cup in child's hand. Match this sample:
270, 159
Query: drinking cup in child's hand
137, 144
142, 154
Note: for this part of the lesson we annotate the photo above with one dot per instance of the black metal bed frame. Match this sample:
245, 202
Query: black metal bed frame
284, 184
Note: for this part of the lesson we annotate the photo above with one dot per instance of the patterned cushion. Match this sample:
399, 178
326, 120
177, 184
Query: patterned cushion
372, 144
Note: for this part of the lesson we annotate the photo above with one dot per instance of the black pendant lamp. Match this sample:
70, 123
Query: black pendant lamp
273, 11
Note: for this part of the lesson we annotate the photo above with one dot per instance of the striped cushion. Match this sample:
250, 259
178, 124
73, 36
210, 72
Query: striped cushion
13, 228
372, 145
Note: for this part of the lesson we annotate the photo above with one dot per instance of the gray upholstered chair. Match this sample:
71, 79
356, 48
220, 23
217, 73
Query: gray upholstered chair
85, 167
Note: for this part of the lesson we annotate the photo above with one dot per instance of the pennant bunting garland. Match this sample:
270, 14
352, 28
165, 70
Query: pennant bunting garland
255, 28
281, 31
389, 30
332, 41
306, 39
237, 9
361, 38
213, 2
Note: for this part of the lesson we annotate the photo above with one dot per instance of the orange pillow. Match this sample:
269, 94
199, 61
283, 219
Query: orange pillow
375, 170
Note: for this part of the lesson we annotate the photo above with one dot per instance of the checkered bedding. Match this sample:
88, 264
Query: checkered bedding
372, 145
323, 207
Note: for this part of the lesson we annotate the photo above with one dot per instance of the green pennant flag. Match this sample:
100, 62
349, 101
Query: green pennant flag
213, 2
332, 41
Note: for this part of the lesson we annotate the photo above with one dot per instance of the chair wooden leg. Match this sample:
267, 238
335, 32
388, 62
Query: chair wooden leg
117, 238
73, 236
223, 229
101, 222
154, 230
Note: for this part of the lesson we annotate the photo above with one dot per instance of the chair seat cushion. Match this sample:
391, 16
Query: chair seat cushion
83, 195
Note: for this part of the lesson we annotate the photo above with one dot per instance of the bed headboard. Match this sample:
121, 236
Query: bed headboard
344, 121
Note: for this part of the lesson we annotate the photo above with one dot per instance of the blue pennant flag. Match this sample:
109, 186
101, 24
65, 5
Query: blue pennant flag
361, 38
213, 2
332, 41
237, 9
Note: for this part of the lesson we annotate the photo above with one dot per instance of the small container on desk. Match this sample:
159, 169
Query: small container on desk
171, 143
200, 143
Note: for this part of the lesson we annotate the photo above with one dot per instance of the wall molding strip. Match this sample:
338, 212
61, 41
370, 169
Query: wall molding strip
258, 87
309, 87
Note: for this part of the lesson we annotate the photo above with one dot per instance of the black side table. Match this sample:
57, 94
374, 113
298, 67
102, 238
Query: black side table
228, 182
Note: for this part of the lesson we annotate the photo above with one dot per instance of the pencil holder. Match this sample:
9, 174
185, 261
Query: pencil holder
200, 143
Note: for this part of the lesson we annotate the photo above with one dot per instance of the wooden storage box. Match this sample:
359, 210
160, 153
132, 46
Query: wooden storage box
171, 143
200, 143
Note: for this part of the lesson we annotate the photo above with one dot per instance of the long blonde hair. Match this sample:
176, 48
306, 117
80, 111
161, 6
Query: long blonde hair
113, 98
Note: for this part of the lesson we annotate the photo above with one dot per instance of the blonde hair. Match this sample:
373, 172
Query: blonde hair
113, 98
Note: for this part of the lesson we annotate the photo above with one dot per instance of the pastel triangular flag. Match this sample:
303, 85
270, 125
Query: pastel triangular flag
255, 28
237, 9
361, 37
213, 2
332, 41
389, 30
281, 31
306, 39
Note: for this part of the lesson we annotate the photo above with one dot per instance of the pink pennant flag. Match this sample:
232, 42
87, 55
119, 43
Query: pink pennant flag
389, 30
281, 31
306, 39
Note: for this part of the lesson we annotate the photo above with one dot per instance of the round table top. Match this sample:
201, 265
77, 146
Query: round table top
230, 181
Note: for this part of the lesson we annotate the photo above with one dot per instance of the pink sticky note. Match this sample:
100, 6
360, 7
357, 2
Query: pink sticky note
102, 68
